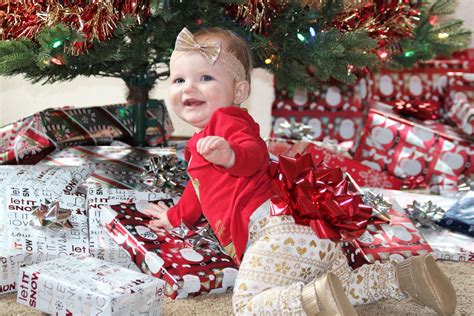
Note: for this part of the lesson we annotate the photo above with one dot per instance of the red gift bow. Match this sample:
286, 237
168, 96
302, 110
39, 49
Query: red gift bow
420, 109
318, 197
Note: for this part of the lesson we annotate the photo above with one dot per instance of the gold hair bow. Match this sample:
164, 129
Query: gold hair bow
185, 42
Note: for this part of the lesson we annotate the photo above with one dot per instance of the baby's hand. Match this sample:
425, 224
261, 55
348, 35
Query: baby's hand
159, 213
216, 150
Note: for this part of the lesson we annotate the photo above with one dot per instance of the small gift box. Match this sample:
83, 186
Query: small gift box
116, 167
103, 246
10, 263
396, 241
334, 157
88, 286
460, 217
420, 155
331, 112
41, 222
188, 259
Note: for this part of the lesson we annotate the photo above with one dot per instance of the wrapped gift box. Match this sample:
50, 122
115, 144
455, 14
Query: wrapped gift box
52, 179
24, 141
363, 175
459, 105
103, 246
331, 112
115, 166
30, 139
448, 245
420, 155
10, 263
395, 241
460, 217
55, 239
88, 286
188, 270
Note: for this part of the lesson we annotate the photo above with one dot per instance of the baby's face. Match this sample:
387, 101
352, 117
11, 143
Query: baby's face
198, 89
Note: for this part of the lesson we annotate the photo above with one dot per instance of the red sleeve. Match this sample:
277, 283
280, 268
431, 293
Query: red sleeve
188, 209
243, 135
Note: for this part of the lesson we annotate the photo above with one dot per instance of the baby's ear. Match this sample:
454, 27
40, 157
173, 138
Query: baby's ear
242, 89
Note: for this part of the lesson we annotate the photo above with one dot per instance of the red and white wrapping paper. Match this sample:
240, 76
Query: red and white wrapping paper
333, 112
395, 241
10, 263
103, 246
420, 155
21, 201
88, 286
187, 271
459, 105
362, 174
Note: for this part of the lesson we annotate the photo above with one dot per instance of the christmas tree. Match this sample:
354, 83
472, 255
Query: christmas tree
303, 43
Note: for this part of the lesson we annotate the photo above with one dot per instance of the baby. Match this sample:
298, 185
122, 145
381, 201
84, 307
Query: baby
284, 267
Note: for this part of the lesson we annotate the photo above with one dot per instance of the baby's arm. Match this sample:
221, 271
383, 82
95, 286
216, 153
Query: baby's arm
187, 210
216, 150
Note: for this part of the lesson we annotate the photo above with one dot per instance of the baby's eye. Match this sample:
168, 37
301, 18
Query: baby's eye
206, 78
178, 80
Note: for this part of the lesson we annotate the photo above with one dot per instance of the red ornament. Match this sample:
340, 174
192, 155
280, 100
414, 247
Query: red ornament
199, 22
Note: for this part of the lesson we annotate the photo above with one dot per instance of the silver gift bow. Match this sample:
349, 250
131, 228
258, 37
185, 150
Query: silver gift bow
50, 216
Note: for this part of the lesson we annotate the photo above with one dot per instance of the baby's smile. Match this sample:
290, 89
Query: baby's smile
193, 102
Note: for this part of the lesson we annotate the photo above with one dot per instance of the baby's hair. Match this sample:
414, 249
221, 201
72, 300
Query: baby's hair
231, 43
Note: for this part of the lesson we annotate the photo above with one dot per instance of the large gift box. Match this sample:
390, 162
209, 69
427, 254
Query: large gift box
362, 174
332, 112
52, 179
189, 259
88, 286
10, 263
43, 222
115, 166
30, 139
420, 155
103, 246
384, 242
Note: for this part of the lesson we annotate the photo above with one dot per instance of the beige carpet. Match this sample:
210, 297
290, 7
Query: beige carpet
461, 274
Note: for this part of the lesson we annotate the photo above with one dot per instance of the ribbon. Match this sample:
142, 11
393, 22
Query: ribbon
185, 42
166, 172
420, 109
50, 216
294, 130
425, 215
318, 197
201, 237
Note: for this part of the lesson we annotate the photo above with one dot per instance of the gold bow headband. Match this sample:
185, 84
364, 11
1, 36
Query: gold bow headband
185, 43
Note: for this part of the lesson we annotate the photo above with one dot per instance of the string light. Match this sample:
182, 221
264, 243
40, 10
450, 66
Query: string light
443, 35
57, 43
301, 37
56, 61
312, 32
123, 113
409, 53
383, 54
268, 61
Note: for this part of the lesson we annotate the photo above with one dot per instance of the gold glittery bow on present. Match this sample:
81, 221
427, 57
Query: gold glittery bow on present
185, 42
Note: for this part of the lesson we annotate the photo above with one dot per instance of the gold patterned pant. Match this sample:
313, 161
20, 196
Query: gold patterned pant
282, 257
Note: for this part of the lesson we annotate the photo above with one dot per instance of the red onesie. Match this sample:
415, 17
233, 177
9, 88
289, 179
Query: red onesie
226, 197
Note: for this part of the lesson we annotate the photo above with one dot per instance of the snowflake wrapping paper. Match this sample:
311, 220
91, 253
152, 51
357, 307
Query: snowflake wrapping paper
52, 179
102, 246
433, 155
395, 241
187, 271
22, 201
115, 166
88, 286
28, 140
332, 112
24, 141
362, 174
10, 263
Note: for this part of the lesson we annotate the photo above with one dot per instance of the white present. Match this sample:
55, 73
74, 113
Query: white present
88, 286
23, 202
103, 246
53, 179
10, 263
